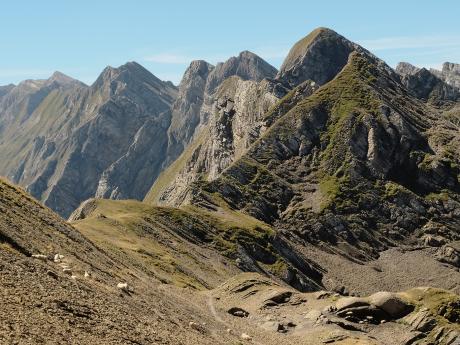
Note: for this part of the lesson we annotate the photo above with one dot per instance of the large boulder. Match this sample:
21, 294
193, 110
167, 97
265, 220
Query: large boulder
391, 303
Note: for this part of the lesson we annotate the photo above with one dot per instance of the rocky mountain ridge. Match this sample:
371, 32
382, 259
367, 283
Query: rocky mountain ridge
110, 139
305, 172
60, 136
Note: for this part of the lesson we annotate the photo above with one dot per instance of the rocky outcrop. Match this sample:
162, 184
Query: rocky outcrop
450, 73
194, 106
61, 137
188, 111
318, 57
224, 118
307, 172
426, 85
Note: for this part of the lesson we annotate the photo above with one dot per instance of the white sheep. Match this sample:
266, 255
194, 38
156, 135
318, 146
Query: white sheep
123, 286
40, 257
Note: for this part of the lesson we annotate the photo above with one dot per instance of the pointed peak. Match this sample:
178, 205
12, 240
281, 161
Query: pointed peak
405, 68
130, 73
247, 65
123, 72
62, 79
133, 66
246, 54
319, 56
451, 67
200, 66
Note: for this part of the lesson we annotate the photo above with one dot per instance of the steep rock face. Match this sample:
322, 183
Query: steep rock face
200, 116
237, 120
60, 136
187, 111
450, 73
313, 61
318, 57
426, 85
359, 164
194, 105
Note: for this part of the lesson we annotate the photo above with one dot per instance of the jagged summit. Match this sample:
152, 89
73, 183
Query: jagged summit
246, 65
450, 73
319, 56
431, 85
128, 72
63, 79
405, 68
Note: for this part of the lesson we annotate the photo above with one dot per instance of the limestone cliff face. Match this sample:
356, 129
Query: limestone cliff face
204, 120
236, 121
194, 105
450, 73
238, 118
189, 110
360, 163
60, 137
427, 85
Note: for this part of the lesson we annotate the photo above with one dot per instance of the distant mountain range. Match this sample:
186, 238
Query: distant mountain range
66, 142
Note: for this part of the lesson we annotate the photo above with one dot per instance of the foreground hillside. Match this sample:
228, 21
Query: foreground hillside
59, 286
76, 300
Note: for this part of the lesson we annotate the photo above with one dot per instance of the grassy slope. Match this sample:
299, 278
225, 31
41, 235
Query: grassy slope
178, 246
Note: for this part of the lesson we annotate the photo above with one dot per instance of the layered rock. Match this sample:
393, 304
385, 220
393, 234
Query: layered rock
60, 136
450, 73
357, 162
193, 107
237, 120
188, 112
203, 116
426, 85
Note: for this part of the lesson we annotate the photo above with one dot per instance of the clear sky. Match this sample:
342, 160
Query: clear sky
81, 37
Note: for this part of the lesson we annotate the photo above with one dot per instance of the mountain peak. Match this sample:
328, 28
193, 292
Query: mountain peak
62, 79
196, 73
246, 65
127, 73
319, 56
451, 67
405, 68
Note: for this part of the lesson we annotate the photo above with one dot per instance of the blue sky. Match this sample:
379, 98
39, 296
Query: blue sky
81, 37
